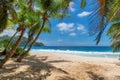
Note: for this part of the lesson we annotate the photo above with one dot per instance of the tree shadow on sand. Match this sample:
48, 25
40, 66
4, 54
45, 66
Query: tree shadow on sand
34, 68
94, 76
117, 77
117, 63
58, 61
66, 78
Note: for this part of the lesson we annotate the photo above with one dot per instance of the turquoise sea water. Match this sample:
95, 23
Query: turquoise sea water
92, 51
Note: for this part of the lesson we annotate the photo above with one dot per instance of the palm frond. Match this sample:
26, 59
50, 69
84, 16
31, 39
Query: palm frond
114, 30
83, 4
47, 29
116, 46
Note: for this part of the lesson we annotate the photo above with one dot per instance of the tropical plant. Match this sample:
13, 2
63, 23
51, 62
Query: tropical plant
109, 12
48, 9
22, 23
114, 34
9, 42
7, 12
25, 20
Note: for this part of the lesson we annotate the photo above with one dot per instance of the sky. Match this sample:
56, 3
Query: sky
73, 30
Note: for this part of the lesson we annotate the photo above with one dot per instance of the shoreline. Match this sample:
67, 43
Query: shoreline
99, 68
82, 53
69, 56
52, 66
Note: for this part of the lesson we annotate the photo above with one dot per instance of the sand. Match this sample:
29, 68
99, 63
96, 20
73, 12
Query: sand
53, 66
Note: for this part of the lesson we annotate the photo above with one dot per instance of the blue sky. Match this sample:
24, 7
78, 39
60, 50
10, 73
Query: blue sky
74, 30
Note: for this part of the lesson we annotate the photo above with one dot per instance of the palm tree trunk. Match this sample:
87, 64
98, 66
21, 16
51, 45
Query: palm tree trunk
40, 31
10, 54
23, 49
26, 45
11, 39
5, 50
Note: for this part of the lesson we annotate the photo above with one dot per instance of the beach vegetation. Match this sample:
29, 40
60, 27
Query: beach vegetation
108, 13
32, 17
49, 9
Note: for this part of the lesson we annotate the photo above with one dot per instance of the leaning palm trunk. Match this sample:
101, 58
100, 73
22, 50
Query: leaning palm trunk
24, 48
25, 54
5, 50
26, 45
11, 40
11, 53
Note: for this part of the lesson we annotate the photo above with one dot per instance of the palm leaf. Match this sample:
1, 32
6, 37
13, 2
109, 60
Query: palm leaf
116, 46
83, 4
47, 29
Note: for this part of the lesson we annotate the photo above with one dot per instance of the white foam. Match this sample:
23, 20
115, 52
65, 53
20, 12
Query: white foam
71, 52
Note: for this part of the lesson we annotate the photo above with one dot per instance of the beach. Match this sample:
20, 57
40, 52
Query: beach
53, 66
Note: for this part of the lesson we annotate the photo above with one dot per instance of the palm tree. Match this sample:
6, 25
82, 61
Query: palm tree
9, 42
23, 24
10, 54
108, 10
6, 10
49, 9
7, 14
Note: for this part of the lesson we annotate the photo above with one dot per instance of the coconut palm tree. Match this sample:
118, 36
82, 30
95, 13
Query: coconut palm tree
10, 54
111, 12
23, 23
4, 52
114, 30
108, 11
49, 9
7, 15
25, 20
6, 10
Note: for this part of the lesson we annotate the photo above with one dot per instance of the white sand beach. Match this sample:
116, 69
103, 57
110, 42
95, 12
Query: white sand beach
52, 66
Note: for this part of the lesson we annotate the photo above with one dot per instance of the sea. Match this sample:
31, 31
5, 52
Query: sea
88, 51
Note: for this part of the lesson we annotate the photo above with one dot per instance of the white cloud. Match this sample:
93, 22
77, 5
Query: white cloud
10, 33
83, 14
81, 28
66, 27
71, 6
73, 34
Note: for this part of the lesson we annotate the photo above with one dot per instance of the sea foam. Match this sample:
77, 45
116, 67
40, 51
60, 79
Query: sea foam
70, 51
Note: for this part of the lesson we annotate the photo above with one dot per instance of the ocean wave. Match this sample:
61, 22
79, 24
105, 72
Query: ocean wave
72, 52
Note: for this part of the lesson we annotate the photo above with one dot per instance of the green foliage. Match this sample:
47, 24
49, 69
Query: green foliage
52, 8
112, 10
112, 14
3, 42
116, 46
114, 31
47, 29
83, 4
108, 11
7, 12
19, 51
5, 39
114, 34
30, 15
